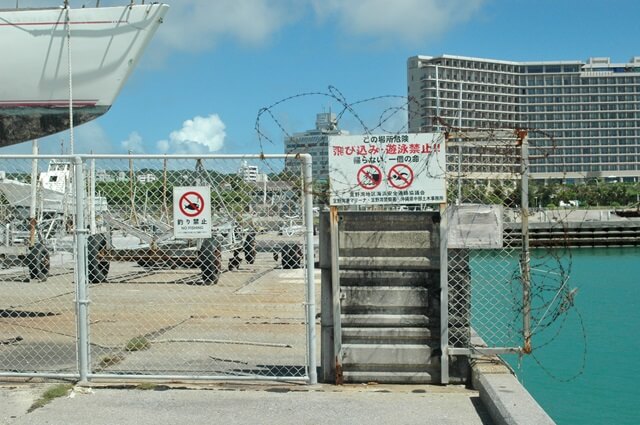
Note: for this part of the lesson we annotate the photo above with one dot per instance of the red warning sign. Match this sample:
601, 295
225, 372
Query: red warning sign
369, 177
400, 176
191, 204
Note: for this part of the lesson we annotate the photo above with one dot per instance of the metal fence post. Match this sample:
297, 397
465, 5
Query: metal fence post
525, 265
92, 196
444, 296
311, 287
81, 271
335, 290
34, 195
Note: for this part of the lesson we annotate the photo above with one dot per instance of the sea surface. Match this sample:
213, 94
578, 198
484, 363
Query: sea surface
586, 368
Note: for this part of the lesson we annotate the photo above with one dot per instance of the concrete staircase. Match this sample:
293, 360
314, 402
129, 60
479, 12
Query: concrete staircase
389, 297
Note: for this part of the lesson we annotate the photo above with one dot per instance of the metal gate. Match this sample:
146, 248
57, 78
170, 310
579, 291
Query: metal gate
98, 286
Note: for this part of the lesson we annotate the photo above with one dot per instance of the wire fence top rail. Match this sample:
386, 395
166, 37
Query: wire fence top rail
301, 156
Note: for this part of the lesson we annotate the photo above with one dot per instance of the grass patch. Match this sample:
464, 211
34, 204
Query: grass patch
109, 360
138, 343
52, 393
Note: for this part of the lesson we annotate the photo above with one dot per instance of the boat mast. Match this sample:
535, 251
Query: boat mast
68, 19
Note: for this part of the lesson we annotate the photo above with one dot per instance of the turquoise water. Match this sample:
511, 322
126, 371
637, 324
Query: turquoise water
605, 356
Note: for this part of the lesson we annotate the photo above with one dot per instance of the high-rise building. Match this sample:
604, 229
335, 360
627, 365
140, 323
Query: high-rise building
316, 143
583, 117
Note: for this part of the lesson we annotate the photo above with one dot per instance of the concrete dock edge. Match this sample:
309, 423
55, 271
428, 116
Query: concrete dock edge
507, 401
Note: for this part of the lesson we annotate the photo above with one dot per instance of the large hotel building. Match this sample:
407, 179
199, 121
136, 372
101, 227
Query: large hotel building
583, 117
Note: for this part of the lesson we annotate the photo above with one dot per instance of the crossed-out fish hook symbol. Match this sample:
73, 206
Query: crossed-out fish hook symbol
192, 205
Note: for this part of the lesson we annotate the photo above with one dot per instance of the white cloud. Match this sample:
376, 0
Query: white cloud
195, 25
133, 143
199, 25
163, 146
91, 138
200, 135
408, 20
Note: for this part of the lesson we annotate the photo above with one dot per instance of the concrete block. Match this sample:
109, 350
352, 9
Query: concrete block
406, 355
389, 278
386, 335
507, 401
391, 377
385, 220
389, 263
390, 239
384, 320
384, 296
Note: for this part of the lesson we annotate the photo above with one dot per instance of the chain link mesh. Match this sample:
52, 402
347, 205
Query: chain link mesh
37, 309
485, 295
229, 305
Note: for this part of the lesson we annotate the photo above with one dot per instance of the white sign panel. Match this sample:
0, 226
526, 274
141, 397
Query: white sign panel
387, 169
192, 212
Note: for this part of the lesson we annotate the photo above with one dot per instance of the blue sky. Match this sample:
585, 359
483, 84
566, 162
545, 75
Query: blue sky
215, 63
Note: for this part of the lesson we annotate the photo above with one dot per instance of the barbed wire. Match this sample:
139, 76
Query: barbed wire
583, 357
336, 95
490, 172
338, 177
486, 170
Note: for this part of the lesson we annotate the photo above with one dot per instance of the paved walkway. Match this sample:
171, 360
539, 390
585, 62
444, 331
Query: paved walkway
247, 404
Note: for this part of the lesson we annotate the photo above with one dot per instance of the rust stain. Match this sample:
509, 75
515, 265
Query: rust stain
339, 375
520, 134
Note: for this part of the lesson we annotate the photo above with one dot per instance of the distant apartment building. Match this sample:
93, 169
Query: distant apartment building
146, 178
121, 176
104, 176
248, 173
587, 114
316, 143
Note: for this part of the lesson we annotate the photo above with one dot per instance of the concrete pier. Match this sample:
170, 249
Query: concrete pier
575, 228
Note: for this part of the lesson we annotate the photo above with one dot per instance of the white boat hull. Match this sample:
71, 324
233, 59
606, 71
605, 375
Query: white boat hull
105, 43
18, 194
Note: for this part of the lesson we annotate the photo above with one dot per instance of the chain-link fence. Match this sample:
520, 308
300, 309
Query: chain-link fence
485, 222
37, 307
185, 267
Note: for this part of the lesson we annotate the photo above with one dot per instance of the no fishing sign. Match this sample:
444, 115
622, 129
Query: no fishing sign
192, 212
